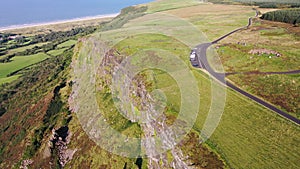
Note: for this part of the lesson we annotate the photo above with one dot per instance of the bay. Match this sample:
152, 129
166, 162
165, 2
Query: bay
22, 12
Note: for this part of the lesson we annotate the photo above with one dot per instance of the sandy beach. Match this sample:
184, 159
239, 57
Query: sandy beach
16, 27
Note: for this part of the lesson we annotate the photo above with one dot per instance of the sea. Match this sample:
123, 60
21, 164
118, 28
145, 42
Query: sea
26, 12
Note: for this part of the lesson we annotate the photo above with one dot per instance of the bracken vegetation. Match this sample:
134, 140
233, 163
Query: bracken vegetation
29, 108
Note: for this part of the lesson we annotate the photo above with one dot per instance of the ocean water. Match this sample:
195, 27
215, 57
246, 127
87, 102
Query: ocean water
22, 12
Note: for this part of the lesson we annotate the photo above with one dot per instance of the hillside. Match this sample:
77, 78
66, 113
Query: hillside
123, 94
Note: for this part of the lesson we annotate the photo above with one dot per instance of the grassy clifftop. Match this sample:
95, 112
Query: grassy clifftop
37, 109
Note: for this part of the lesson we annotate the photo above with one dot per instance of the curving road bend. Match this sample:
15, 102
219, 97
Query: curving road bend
203, 63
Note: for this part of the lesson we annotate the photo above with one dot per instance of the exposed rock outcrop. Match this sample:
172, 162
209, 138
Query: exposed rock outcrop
150, 112
264, 51
26, 163
59, 141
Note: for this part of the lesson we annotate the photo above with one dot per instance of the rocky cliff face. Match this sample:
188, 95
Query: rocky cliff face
143, 107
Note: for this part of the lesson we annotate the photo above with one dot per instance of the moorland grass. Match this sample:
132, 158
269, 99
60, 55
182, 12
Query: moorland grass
281, 90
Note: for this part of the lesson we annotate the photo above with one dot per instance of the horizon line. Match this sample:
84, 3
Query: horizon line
29, 25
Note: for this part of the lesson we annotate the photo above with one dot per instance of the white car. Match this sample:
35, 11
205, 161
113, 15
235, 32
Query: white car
192, 55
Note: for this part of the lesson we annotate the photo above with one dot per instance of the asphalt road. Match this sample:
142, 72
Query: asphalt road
203, 63
266, 73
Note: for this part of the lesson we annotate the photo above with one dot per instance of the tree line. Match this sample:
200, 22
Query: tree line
63, 34
291, 16
277, 5
262, 3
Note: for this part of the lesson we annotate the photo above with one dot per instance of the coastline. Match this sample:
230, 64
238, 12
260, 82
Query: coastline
87, 18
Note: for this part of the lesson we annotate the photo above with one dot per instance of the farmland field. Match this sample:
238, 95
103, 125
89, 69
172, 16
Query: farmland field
9, 79
21, 49
67, 44
20, 62
56, 52
62, 47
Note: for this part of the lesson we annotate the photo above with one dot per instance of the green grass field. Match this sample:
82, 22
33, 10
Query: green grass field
20, 62
67, 44
61, 48
56, 52
21, 49
250, 136
236, 58
9, 79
